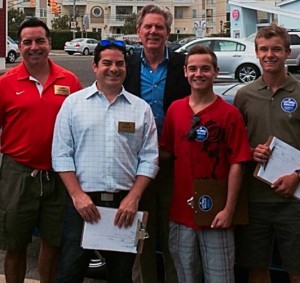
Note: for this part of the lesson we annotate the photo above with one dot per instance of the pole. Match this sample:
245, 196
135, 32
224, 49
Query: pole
74, 16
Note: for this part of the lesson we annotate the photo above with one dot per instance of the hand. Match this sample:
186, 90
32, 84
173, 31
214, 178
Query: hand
286, 185
261, 153
126, 211
86, 208
222, 220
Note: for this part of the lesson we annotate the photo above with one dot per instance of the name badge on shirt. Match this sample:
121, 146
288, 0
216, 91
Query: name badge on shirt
61, 90
126, 127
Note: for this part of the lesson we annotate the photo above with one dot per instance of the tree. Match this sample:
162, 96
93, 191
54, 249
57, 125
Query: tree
61, 22
130, 24
14, 18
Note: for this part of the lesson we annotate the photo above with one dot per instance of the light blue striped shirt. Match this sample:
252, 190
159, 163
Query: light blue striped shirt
87, 140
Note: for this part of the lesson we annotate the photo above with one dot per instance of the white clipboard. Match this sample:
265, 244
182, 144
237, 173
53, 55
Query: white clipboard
104, 235
284, 160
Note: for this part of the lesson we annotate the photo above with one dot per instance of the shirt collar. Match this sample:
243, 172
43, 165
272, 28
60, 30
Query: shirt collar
93, 90
289, 84
166, 59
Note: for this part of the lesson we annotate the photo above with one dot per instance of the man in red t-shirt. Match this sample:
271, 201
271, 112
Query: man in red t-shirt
207, 138
31, 194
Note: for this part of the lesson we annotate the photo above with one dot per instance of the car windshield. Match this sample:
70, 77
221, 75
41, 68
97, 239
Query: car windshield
11, 40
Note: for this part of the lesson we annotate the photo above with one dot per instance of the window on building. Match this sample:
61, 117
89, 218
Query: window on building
194, 13
43, 13
209, 15
178, 13
29, 12
203, 4
122, 12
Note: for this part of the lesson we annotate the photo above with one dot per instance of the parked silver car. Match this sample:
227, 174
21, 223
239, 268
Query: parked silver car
12, 50
85, 46
236, 57
293, 61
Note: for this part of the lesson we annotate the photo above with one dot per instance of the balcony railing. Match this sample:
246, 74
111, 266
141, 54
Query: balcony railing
77, 2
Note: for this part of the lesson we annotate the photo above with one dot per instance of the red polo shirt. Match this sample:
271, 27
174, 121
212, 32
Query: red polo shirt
27, 117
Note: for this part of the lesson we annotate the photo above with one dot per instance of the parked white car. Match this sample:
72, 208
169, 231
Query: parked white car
85, 46
12, 50
236, 57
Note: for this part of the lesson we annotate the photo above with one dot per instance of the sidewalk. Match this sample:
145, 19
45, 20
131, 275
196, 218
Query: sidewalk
2, 280
32, 275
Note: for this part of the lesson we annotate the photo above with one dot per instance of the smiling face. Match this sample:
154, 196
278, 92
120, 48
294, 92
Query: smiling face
34, 46
153, 32
110, 70
272, 54
200, 72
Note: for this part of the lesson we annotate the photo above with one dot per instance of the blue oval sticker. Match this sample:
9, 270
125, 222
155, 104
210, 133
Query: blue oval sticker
201, 134
205, 203
288, 104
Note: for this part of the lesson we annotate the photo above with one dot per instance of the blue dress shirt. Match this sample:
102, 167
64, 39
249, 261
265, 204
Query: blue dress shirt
153, 87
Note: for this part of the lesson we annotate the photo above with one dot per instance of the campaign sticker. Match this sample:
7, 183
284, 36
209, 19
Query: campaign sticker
289, 104
205, 203
201, 134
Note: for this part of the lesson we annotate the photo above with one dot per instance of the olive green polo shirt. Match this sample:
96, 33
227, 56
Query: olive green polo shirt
266, 113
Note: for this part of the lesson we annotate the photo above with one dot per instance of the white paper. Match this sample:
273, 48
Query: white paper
104, 235
283, 161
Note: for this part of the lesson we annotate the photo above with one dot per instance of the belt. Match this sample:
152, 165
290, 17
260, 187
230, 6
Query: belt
107, 196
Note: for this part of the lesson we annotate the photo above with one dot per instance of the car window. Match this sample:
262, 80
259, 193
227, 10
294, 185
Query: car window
77, 40
295, 39
186, 40
229, 46
206, 43
95, 41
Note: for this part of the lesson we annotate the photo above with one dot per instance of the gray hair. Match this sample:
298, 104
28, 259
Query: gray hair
155, 9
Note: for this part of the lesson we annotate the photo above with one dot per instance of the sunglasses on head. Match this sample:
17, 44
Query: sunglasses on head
108, 42
192, 131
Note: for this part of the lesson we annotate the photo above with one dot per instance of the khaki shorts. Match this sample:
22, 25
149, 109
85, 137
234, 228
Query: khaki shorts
29, 198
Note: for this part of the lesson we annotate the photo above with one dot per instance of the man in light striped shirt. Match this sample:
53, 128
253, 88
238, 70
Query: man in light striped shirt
105, 150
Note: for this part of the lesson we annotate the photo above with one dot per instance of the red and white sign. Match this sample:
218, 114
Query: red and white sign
235, 14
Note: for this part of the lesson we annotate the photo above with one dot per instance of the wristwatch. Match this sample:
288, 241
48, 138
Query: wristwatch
298, 173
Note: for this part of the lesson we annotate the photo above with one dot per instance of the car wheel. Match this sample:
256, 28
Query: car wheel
97, 267
247, 73
85, 51
130, 51
70, 52
11, 57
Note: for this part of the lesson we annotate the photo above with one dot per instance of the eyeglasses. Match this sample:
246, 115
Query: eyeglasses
194, 124
108, 42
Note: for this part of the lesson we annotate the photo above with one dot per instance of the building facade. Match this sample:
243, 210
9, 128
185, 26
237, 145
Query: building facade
247, 16
200, 17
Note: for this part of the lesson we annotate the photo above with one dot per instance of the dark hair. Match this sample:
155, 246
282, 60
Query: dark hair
99, 48
33, 22
155, 9
271, 31
201, 49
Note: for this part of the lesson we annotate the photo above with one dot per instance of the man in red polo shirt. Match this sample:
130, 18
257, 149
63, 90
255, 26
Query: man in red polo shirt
31, 194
